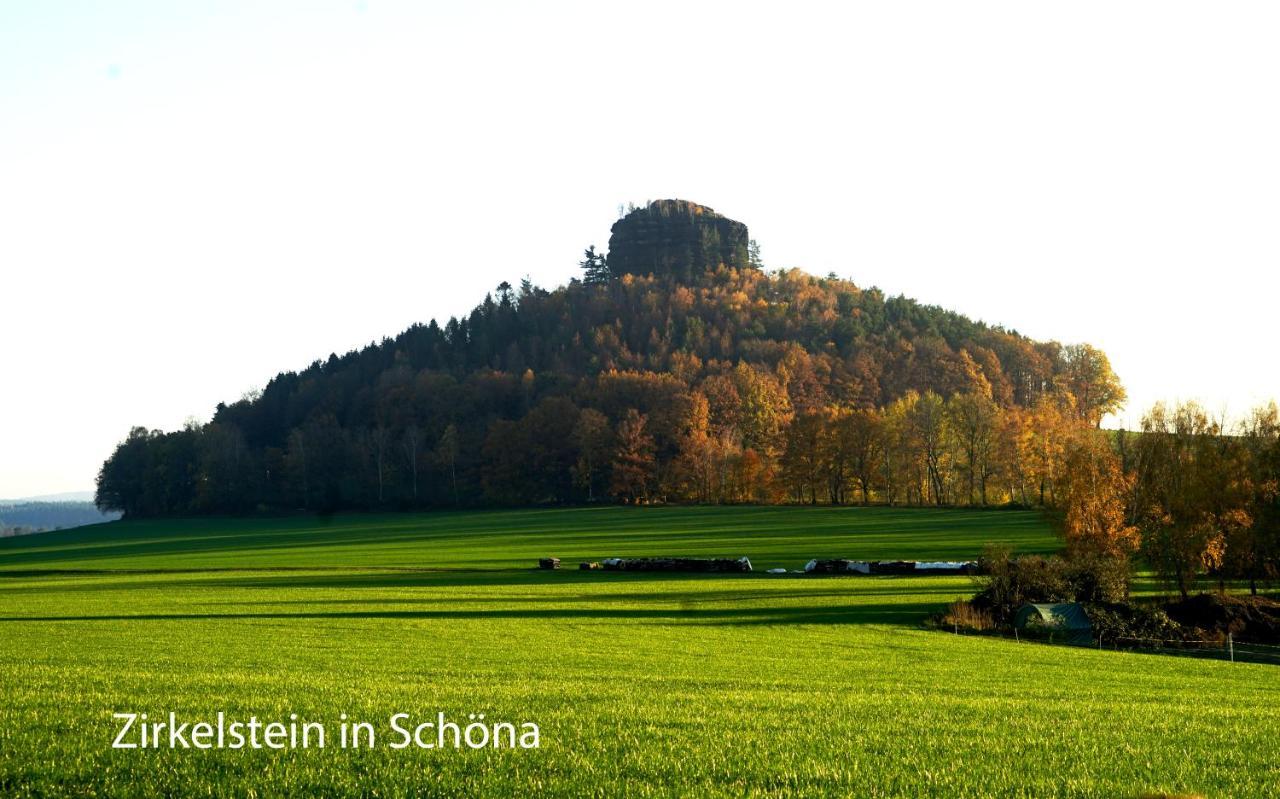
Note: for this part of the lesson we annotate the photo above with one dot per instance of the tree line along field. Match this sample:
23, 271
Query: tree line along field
643, 684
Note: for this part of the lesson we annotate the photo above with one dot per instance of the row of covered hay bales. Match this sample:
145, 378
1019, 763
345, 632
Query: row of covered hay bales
658, 564
915, 567
740, 565
677, 564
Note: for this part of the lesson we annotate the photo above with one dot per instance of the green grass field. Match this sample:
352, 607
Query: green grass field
644, 685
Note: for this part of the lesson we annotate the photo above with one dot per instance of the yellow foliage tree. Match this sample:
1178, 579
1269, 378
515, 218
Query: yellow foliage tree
1092, 490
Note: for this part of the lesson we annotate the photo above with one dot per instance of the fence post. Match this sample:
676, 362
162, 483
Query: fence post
1231, 648
1099, 640
1015, 635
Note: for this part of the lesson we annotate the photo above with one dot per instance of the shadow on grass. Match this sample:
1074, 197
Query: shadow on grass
775, 532
687, 612
345, 578
746, 594
330, 578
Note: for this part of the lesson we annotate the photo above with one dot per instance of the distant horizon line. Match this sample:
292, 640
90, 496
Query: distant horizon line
58, 496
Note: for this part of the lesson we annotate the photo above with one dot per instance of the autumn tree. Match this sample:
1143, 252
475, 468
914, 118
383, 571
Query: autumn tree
862, 439
543, 452
1047, 427
1013, 452
1094, 386
1188, 493
798, 374
633, 459
928, 423
724, 404
749, 477
1253, 552
973, 420
803, 460
837, 472
764, 409
903, 470
1092, 495
697, 462
591, 438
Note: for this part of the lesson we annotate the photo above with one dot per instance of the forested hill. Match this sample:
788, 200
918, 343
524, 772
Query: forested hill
597, 390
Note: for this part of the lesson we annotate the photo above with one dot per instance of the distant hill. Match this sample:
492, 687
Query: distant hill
21, 518
66, 496
614, 386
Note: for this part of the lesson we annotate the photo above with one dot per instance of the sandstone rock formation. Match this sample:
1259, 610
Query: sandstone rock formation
677, 238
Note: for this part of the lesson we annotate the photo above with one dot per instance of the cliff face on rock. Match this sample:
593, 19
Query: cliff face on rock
676, 238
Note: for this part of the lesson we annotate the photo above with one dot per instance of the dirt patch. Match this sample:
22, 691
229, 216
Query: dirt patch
1256, 618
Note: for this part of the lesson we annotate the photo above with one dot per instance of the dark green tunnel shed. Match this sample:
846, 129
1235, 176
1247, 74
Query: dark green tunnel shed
1064, 621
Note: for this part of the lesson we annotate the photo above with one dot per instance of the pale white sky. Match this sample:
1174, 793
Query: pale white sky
196, 196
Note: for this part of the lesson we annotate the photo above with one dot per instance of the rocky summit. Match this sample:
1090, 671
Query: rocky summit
677, 238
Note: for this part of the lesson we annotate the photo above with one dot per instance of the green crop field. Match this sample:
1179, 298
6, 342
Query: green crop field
641, 684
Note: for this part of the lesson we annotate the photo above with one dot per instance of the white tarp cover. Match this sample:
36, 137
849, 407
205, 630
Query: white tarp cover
940, 564
811, 565
777, 571
859, 566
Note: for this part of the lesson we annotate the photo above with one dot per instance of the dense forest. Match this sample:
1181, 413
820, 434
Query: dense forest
715, 386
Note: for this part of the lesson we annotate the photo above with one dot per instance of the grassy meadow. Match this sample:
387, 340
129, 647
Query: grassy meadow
642, 684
